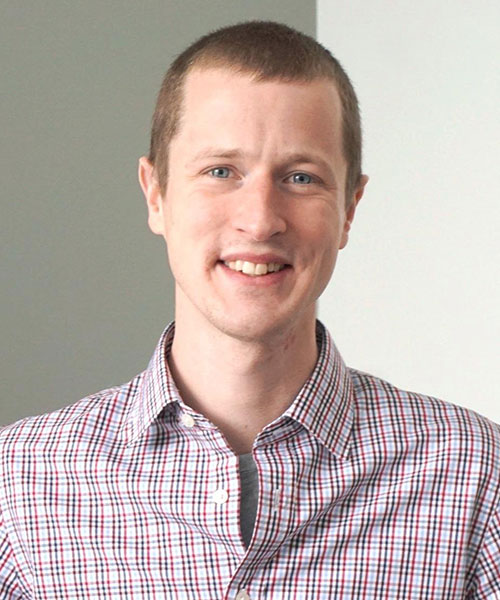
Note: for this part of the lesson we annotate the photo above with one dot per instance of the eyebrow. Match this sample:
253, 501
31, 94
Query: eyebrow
299, 157
213, 152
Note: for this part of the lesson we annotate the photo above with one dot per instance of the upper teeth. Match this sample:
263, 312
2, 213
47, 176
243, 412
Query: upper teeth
250, 268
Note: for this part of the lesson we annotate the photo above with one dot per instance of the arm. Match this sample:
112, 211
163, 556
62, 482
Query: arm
486, 584
10, 588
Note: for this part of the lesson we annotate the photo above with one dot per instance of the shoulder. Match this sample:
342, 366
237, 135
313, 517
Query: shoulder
406, 418
373, 394
93, 419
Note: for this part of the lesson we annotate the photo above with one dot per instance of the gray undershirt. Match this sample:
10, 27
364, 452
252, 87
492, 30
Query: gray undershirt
249, 496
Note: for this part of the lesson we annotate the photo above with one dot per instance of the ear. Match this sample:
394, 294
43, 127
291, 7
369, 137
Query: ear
351, 209
151, 190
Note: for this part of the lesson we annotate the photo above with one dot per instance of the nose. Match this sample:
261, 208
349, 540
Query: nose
259, 210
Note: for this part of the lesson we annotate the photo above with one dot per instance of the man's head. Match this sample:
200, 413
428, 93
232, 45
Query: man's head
253, 207
266, 51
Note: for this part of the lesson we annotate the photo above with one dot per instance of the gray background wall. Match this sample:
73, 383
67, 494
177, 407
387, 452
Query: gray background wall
85, 287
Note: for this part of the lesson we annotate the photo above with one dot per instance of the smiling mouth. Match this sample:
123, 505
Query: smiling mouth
254, 269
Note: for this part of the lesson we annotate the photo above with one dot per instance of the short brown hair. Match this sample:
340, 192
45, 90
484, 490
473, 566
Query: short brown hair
268, 51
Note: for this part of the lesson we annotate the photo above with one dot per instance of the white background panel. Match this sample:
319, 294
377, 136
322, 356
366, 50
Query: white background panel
415, 296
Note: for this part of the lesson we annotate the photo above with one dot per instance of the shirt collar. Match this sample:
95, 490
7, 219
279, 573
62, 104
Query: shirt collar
156, 390
323, 406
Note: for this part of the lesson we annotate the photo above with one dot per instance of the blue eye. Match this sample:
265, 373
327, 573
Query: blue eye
220, 172
301, 178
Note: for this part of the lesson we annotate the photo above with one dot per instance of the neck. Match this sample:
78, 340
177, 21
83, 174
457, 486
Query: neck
241, 385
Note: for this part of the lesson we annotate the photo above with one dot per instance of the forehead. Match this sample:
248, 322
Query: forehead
204, 84
225, 103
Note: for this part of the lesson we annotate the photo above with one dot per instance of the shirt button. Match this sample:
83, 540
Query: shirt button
242, 595
219, 497
187, 420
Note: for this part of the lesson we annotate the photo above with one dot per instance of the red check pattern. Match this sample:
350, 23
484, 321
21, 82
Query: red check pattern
366, 491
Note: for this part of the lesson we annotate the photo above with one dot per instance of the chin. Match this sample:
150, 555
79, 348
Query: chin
248, 332
256, 327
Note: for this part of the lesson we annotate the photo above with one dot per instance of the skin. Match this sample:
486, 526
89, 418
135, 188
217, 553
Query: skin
256, 172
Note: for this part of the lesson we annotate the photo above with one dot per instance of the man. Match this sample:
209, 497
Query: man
248, 461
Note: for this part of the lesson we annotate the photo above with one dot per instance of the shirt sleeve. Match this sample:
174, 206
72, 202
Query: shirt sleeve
487, 577
10, 588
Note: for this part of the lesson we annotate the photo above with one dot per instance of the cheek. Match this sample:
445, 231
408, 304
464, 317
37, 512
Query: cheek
197, 214
193, 238
323, 231
323, 241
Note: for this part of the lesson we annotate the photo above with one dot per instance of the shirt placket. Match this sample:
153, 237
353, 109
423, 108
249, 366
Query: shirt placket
275, 522
218, 492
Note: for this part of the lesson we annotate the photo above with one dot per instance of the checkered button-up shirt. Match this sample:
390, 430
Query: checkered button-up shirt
365, 491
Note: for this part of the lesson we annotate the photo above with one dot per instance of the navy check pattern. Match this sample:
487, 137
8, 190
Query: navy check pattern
365, 491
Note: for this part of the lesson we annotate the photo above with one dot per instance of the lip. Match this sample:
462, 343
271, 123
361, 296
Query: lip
260, 280
255, 258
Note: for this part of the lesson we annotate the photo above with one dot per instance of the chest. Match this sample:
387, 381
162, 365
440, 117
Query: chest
170, 527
